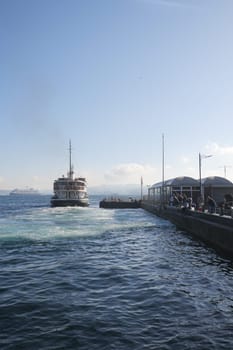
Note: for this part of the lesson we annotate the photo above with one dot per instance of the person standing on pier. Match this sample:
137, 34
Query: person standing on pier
211, 205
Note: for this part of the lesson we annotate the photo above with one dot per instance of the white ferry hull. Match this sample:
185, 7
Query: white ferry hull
69, 202
69, 191
27, 192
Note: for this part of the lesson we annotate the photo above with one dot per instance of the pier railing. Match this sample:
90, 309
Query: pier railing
219, 210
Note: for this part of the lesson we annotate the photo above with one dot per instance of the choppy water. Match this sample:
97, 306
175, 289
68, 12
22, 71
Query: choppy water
89, 278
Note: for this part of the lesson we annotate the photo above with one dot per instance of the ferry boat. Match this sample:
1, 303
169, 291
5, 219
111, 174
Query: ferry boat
70, 191
24, 192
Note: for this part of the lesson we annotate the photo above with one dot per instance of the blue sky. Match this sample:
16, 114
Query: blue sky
112, 76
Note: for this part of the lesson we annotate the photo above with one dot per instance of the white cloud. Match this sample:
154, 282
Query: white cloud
185, 160
130, 173
168, 3
215, 149
36, 178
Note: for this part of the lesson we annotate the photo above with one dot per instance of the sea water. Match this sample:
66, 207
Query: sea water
90, 278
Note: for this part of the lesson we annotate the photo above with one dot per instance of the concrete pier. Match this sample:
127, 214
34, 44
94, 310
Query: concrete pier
120, 204
213, 229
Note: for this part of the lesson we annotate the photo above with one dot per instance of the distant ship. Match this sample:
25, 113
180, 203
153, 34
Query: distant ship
70, 191
23, 192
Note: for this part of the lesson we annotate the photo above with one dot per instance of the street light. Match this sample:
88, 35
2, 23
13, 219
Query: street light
141, 188
225, 169
162, 170
202, 156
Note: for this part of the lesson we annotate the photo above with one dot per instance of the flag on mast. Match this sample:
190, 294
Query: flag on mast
206, 156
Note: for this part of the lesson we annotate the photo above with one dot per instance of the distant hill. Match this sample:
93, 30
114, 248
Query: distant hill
4, 192
121, 190
133, 190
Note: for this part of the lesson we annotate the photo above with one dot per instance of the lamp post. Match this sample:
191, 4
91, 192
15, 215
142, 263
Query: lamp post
202, 156
200, 173
225, 169
141, 188
163, 170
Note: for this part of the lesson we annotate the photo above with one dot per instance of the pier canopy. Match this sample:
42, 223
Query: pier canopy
217, 187
182, 184
216, 181
214, 186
